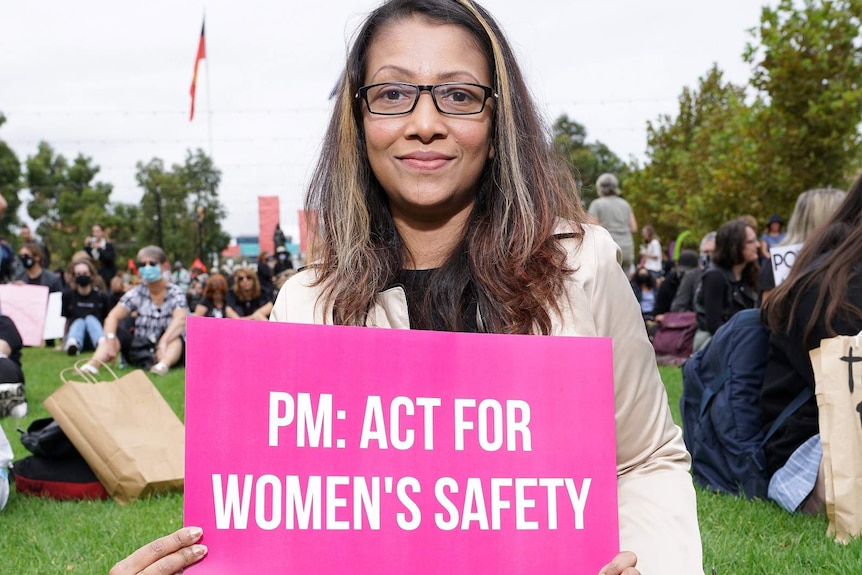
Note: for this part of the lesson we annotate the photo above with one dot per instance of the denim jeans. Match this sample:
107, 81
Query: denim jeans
87, 329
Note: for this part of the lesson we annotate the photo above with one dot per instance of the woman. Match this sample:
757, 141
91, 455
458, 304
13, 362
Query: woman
160, 309
101, 249
84, 307
247, 300
812, 209
729, 284
643, 285
821, 298
616, 215
214, 300
438, 208
32, 272
650, 252
773, 235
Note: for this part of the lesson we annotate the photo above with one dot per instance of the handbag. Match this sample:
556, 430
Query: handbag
675, 334
125, 430
45, 438
141, 352
837, 366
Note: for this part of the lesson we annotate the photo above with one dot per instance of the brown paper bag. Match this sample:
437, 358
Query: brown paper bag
126, 431
838, 377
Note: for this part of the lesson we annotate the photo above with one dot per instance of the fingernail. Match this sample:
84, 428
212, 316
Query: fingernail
199, 550
195, 533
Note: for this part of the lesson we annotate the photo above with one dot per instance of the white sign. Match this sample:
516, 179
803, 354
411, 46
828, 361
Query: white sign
783, 258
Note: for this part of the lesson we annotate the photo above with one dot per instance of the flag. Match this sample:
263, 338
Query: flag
202, 53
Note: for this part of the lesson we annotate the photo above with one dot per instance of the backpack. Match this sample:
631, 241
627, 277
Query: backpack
720, 408
674, 339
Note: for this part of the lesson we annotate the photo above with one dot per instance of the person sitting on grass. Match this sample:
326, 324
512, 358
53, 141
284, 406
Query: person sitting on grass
160, 312
84, 307
247, 300
214, 300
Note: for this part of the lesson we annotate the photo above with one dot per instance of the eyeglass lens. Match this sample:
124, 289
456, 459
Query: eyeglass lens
450, 98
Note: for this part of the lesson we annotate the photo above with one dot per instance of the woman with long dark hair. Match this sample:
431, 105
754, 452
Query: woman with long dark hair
821, 298
440, 205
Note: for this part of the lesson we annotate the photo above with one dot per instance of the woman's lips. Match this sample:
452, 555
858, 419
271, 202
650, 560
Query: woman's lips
425, 161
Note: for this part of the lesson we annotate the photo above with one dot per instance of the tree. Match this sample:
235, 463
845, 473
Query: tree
180, 209
10, 185
808, 71
586, 160
700, 165
66, 202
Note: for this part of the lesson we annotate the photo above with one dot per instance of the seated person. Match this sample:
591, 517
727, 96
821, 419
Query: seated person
214, 300
643, 285
84, 307
13, 401
821, 298
160, 311
670, 286
247, 299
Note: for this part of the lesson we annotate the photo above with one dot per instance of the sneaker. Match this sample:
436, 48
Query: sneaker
71, 346
159, 369
89, 368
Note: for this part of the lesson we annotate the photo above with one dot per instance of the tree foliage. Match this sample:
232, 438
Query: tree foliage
181, 205
10, 185
734, 150
587, 160
66, 201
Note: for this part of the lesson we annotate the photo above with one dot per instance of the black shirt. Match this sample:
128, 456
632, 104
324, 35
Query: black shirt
77, 306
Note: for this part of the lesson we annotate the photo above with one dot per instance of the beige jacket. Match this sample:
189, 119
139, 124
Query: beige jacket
657, 507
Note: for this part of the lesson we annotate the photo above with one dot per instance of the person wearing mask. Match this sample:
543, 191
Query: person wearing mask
84, 307
683, 299
159, 310
282, 261
102, 251
729, 284
26, 235
31, 271
440, 205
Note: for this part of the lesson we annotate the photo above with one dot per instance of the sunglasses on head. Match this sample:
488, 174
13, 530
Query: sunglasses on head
148, 264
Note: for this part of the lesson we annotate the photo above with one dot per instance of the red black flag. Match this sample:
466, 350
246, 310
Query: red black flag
202, 53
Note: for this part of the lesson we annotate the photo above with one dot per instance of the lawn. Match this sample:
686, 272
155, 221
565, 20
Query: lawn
42, 537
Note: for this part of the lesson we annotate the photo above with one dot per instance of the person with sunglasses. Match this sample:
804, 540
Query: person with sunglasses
213, 302
439, 204
160, 311
247, 300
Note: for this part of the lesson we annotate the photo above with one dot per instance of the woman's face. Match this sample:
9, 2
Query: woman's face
428, 163
750, 251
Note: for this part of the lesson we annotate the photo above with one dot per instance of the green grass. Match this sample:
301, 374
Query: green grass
43, 537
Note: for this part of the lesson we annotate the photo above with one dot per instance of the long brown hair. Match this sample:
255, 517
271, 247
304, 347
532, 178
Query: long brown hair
508, 259
829, 259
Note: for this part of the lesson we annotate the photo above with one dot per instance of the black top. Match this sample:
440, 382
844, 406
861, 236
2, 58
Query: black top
212, 310
77, 306
719, 296
245, 308
789, 370
667, 291
416, 284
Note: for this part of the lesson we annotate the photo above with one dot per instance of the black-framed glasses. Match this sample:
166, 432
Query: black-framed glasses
452, 98
148, 264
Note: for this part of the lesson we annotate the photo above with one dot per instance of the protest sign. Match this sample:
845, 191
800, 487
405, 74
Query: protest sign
783, 258
27, 305
328, 449
55, 323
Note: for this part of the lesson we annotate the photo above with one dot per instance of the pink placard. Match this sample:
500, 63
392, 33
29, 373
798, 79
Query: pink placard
27, 306
324, 449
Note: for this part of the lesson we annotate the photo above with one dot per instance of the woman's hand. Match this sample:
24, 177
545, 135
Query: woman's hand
623, 564
167, 555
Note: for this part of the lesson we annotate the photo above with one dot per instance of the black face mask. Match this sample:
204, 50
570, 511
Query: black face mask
643, 280
83, 281
27, 261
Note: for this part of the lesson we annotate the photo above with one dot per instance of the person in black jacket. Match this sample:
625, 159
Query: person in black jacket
821, 298
729, 284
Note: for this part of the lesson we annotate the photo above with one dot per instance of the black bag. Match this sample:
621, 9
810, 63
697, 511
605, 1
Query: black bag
45, 438
55, 469
141, 352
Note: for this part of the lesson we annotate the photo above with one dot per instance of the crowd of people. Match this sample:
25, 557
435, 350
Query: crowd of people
820, 297
440, 206
138, 314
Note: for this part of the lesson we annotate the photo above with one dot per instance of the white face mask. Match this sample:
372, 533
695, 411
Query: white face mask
150, 274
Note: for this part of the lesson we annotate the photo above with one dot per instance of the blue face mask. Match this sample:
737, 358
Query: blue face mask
150, 274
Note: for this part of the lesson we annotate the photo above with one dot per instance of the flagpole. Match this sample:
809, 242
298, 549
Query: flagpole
209, 104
